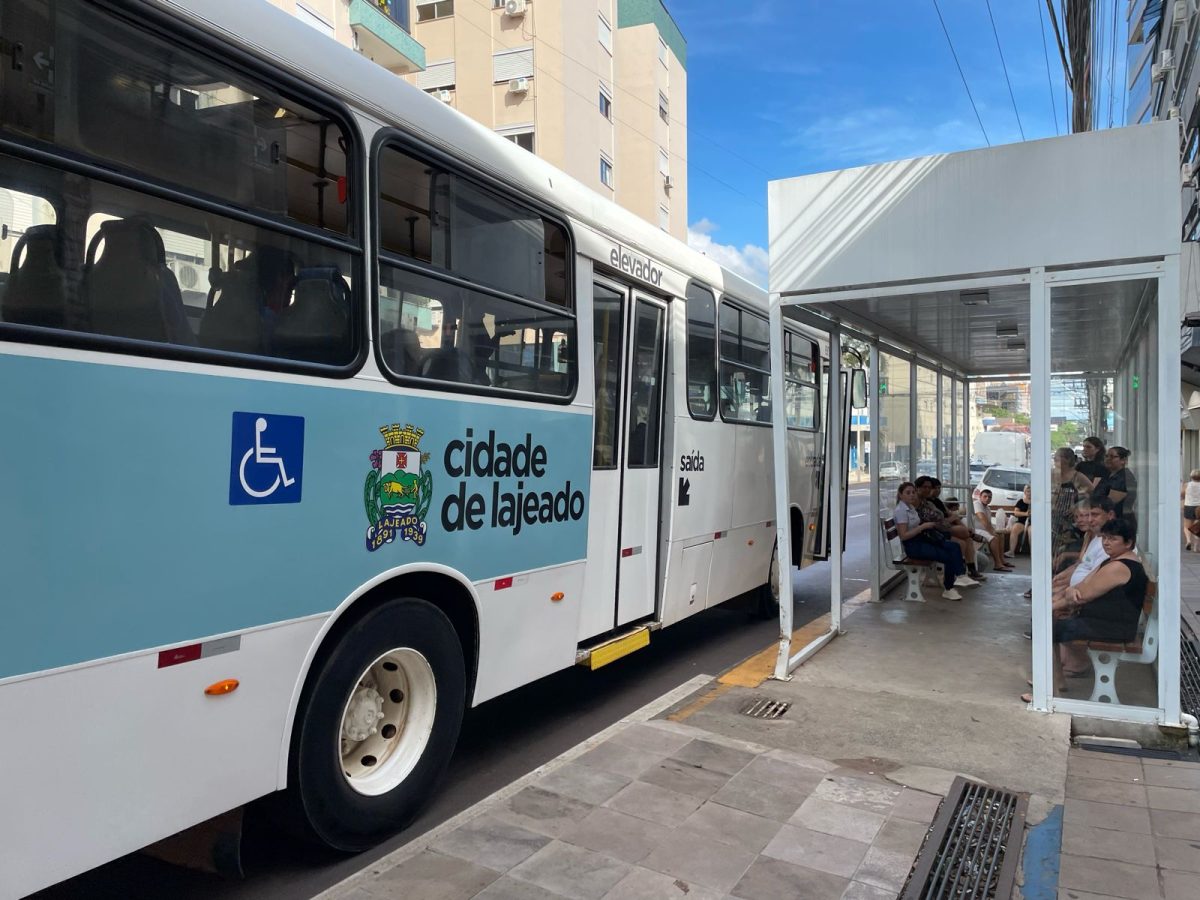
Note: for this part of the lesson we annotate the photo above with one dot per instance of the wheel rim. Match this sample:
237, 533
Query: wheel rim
386, 721
773, 579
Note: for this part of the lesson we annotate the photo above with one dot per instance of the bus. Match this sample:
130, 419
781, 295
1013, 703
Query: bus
384, 417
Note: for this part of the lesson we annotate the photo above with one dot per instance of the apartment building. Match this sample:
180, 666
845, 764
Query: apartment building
378, 29
596, 87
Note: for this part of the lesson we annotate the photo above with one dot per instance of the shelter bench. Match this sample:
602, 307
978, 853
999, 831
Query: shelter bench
896, 559
1107, 655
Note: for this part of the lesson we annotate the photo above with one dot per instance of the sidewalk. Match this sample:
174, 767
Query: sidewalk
691, 798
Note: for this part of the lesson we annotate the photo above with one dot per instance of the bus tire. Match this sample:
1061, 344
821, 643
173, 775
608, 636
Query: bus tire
768, 593
378, 724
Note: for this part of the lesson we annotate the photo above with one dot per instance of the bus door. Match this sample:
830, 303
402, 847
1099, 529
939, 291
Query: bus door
630, 354
822, 544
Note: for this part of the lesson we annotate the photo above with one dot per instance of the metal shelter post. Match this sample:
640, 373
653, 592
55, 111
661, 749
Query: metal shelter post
836, 473
873, 475
783, 519
1039, 372
1168, 509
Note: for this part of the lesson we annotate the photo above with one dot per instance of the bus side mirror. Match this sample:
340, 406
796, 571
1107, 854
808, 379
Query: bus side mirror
858, 389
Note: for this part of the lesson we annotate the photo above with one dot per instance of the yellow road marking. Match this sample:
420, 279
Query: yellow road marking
758, 668
700, 702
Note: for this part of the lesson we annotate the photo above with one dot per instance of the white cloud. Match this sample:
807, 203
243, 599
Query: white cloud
879, 134
750, 261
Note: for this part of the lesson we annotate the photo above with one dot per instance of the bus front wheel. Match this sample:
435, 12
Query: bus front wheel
378, 724
768, 593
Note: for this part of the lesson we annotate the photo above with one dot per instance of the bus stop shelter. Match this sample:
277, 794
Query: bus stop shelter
1052, 262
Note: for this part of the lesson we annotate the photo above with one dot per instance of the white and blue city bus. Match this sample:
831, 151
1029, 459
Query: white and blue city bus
367, 415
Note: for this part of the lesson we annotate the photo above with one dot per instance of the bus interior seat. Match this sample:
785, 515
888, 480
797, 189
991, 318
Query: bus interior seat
36, 293
240, 300
316, 327
402, 351
130, 290
449, 364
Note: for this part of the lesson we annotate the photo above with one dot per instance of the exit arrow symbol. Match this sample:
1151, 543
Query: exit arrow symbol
685, 497
41, 61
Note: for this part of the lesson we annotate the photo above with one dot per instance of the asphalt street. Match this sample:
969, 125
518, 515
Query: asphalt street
501, 741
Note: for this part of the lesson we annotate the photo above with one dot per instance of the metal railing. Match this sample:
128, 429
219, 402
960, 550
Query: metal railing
396, 10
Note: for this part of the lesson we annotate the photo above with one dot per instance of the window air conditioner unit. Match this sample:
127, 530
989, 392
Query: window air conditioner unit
514, 7
1180, 12
442, 94
667, 183
1166, 60
1187, 172
1173, 112
190, 276
518, 85
1156, 73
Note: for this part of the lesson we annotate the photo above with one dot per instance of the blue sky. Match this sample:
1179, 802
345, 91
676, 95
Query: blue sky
778, 88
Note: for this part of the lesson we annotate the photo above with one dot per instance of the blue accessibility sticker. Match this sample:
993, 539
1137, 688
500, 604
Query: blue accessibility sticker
266, 459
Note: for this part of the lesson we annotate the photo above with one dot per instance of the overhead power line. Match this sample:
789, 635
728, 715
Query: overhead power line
946, 32
1046, 55
1004, 66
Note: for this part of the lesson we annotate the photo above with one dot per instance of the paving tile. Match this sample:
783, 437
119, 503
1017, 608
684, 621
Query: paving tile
877, 798
1176, 799
916, 806
574, 872
1106, 815
731, 826
1114, 769
654, 803
777, 771
1175, 824
1117, 879
685, 778
1123, 846
816, 850
772, 879
1105, 791
645, 884
617, 834
620, 759
884, 869
491, 842
1069, 894
1179, 855
582, 782
1163, 776
772, 801
647, 737
838, 819
712, 865
542, 811
901, 836
1179, 885
511, 889
801, 760
1170, 763
860, 890
713, 757
433, 876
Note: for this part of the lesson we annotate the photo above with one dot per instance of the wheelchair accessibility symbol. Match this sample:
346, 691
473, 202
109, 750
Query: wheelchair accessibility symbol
266, 459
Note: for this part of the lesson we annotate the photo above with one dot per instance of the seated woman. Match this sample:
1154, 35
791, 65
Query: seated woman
1073, 542
1019, 523
987, 532
931, 509
1105, 606
923, 540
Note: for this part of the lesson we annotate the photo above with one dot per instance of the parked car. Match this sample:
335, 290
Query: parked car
893, 468
976, 472
1007, 483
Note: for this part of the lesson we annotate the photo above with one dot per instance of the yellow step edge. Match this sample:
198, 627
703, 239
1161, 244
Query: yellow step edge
615, 649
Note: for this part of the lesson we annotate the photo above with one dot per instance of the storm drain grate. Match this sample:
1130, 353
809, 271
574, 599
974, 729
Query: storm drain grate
763, 708
972, 847
1189, 666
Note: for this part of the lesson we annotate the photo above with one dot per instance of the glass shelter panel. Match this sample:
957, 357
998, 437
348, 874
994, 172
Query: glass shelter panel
925, 445
1103, 532
945, 445
894, 397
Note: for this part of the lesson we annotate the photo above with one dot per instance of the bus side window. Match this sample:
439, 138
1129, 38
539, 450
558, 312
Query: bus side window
701, 351
495, 269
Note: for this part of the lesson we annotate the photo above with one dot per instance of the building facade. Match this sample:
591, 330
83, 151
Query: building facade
597, 88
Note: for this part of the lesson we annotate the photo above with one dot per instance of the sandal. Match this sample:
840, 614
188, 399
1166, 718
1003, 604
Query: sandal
1079, 673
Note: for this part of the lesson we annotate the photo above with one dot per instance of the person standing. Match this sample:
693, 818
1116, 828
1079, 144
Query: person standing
1092, 466
1120, 486
1191, 500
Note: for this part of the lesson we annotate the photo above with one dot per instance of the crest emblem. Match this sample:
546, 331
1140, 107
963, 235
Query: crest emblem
399, 489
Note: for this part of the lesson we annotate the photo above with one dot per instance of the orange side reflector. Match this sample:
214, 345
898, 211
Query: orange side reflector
228, 686
557, 595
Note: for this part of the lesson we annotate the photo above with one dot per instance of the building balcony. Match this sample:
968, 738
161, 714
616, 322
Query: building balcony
381, 33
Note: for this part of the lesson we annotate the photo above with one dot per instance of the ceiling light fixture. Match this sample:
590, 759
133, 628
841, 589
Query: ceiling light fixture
974, 298
1007, 330
1016, 344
